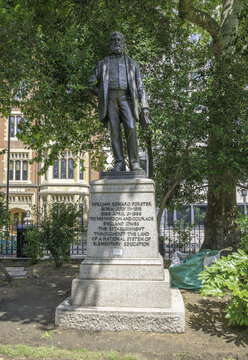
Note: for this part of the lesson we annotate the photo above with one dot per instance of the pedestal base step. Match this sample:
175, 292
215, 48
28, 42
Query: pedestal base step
121, 293
162, 320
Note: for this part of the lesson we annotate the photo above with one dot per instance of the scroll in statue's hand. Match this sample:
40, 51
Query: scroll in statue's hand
144, 119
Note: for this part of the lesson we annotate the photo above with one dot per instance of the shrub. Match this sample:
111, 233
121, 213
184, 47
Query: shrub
58, 229
33, 248
4, 215
4, 224
184, 238
243, 225
229, 276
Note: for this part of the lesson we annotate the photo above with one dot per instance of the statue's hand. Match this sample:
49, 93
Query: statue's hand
145, 118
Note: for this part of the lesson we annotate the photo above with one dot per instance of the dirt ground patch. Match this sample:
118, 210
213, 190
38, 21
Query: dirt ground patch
27, 310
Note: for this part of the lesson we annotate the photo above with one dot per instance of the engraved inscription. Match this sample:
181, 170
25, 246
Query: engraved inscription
124, 224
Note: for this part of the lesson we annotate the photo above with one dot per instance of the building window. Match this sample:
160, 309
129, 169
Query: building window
25, 170
63, 168
15, 123
11, 168
18, 167
70, 169
18, 123
18, 170
56, 170
81, 172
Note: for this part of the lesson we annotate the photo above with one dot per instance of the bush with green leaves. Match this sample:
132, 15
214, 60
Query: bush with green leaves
4, 215
229, 276
4, 221
4, 224
243, 225
58, 229
33, 248
184, 236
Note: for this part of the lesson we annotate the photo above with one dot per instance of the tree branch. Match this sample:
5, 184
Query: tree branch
169, 192
230, 21
200, 18
164, 201
230, 9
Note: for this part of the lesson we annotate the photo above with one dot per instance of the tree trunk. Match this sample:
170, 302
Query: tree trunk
221, 230
220, 223
220, 227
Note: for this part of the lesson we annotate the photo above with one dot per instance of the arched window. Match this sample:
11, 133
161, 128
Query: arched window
18, 170
25, 170
56, 169
70, 169
18, 123
11, 168
63, 168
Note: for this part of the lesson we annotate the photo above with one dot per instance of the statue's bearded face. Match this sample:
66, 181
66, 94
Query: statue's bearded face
117, 44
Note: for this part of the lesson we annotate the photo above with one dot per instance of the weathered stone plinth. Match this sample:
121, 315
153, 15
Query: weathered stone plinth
122, 284
161, 320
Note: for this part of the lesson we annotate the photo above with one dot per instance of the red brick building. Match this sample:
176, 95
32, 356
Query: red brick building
64, 181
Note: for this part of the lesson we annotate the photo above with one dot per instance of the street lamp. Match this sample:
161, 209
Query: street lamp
7, 184
8, 157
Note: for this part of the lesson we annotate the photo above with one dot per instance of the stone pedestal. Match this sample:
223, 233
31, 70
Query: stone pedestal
122, 283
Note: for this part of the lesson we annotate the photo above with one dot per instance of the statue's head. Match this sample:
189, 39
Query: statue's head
117, 43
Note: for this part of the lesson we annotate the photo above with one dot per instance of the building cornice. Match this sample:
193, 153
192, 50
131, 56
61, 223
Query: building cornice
17, 185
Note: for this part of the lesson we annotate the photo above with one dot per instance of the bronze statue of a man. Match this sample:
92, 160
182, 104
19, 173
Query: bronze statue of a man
118, 84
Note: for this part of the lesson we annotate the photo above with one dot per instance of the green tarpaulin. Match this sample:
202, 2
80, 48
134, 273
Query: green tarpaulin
185, 275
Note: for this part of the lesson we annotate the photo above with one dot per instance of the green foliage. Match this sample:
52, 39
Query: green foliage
4, 215
33, 248
58, 229
229, 277
48, 334
183, 235
243, 225
197, 99
52, 352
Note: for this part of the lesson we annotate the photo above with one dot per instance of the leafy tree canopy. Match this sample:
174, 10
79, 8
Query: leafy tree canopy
197, 90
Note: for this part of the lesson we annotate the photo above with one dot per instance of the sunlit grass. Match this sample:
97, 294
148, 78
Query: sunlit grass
48, 353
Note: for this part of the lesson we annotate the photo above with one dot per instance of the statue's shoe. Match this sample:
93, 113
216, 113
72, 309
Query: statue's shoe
119, 167
135, 166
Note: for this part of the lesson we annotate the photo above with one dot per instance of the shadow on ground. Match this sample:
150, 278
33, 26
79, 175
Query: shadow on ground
33, 300
209, 317
27, 311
